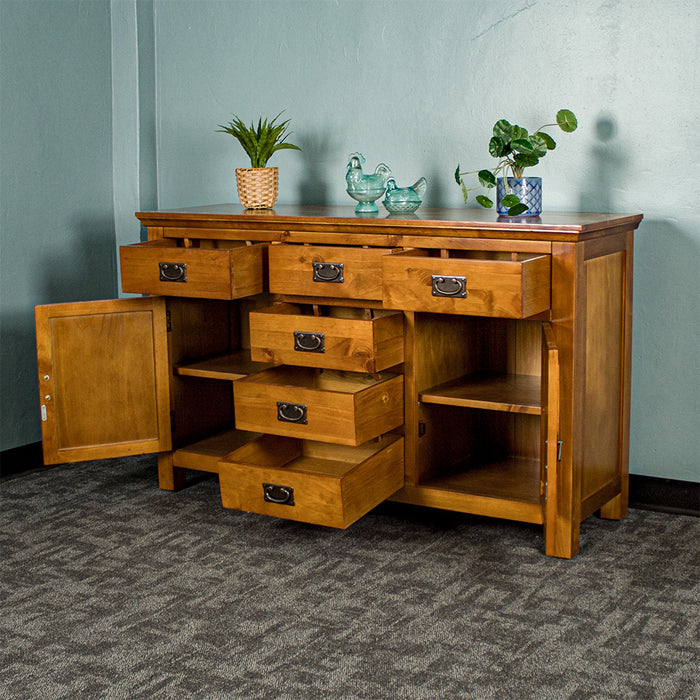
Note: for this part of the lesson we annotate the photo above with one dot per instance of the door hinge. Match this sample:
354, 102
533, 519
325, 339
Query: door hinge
421, 428
168, 323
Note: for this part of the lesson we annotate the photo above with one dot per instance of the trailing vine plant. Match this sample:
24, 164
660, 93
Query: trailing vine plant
516, 150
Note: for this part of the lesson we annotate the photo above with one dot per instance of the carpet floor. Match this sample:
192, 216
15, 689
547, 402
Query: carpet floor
113, 589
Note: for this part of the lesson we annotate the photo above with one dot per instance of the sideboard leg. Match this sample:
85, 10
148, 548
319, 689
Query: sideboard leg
561, 538
170, 477
616, 508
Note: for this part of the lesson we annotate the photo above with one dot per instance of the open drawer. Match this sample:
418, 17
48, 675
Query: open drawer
478, 283
343, 338
215, 270
344, 272
347, 408
312, 482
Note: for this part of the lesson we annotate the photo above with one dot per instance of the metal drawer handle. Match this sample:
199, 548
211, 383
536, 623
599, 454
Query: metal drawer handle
173, 272
444, 286
291, 412
309, 342
328, 272
274, 493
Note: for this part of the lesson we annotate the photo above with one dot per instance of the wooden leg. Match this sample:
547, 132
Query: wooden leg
617, 508
170, 477
561, 538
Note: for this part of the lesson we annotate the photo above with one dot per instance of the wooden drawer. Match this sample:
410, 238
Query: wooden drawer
327, 271
343, 339
163, 267
478, 283
347, 408
312, 482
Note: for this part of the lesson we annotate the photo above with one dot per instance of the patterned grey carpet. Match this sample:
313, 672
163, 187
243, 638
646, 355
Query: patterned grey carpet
112, 588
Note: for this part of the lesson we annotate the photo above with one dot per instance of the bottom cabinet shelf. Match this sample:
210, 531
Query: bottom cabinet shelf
205, 454
507, 489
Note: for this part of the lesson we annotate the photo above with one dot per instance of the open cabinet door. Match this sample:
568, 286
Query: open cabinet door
103, 379
550, 435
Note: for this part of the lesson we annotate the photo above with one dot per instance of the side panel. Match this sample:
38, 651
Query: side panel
103, 379
602, 391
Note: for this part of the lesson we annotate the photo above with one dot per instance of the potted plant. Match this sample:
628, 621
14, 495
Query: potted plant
257, 185
516, 149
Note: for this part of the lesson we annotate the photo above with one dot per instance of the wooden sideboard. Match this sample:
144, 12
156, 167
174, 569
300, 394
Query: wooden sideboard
321, 362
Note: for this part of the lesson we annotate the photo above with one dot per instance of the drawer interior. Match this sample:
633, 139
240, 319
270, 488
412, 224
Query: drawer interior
319, 380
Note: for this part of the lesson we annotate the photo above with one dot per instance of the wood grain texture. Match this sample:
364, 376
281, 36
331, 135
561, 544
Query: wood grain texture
354, 344
550, 471
225, 273
347, 408
604, 328
547, 318
332, 485
291, 271
617, 507
103, 377
494, 287
503, 392
336, 220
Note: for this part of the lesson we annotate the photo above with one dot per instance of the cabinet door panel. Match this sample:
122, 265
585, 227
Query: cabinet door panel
103, 379
551, 476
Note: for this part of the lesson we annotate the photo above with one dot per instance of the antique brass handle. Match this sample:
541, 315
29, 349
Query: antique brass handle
328, 272
291, 412
274, 493
173, 272
446, 286
309, 342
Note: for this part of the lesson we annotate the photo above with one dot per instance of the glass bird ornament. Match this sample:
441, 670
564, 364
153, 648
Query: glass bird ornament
365, 188
404, 200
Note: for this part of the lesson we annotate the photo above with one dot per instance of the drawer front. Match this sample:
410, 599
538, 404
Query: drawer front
327, 271
311, 482
342, 408
495, 286
161, 267
282, 335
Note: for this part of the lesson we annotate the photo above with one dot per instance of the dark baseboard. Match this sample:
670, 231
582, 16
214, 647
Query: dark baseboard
665, 495
21, 460
646, 492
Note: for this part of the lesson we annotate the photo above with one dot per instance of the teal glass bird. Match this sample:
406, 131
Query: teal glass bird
404, 200
364, 188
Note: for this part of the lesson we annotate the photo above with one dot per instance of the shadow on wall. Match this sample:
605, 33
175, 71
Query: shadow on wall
87, 270
609, 160
313, 188
666, 306
665, 365
19, 389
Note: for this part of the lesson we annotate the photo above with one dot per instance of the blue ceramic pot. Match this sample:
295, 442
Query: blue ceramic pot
528, 189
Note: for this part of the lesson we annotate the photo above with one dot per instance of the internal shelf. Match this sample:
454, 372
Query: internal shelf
514, 393
231, 366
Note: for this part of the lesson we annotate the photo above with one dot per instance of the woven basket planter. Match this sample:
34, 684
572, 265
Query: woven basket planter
257, 187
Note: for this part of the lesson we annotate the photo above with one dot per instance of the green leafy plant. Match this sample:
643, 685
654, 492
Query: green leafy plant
516, 149
260, 142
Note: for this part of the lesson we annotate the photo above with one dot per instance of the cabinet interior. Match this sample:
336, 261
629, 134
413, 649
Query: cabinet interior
478, 383
209, 348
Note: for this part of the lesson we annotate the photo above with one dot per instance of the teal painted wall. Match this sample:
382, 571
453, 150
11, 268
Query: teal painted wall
418, 85
56, 212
